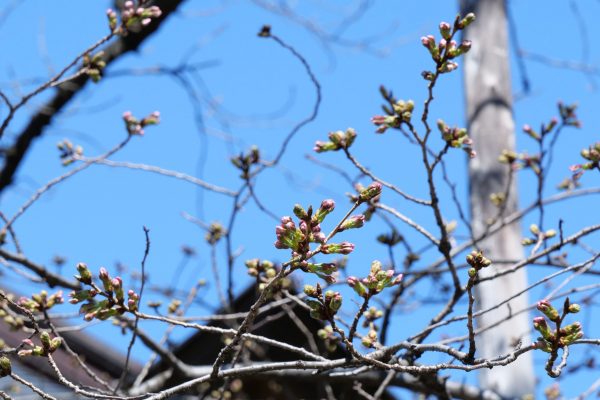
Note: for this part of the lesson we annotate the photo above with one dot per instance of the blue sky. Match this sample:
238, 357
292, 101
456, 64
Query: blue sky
255, 91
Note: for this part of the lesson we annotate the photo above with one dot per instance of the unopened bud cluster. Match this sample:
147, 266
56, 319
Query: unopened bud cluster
554, 338
298, 237
371, 315
135, 126
498, 199
173, 307
396, 112
537, 235
68, 153
337, 140
48, 346
5, 366
325, 271
244, 162
290, 236
11, 319
401, 111
456, 137
545, 129
215, 233
133, 18
377, 280
519, 161
264, 271
370, 193
112, 292
329, 338
592, 155
41, 301
370, 339
568, 115
477, 262
256, 267
553, 392
94, 65
323, 306
572, 182
446, 49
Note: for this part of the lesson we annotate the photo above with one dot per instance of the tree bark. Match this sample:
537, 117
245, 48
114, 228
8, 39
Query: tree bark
491, 126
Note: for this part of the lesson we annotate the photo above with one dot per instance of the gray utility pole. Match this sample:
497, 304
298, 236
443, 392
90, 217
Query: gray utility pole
490, 123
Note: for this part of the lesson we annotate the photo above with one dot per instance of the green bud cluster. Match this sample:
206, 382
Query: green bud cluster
244, 162
5, 366
215, 233
264, 271
256, 267
68, 152
538, 235
353, 222
133, 17
323, 306
370, 193
592, 154
15, 322
568, 115
174, 306
94, 65
456, 137
48, 346
477, 262
375, 282
324, 271
508, 157
371, 315
396, 112
552, 339
404, 109
520, 161
369, 339
498, 199
446, 49
114, 301
337, 140
41, 301
329, 338
298, 237
136, 126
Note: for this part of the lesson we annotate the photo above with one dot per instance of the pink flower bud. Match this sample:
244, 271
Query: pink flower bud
103, 273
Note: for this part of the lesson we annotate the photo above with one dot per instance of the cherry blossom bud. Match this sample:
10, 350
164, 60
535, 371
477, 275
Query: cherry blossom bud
335, 248
372, 191
466, 21
353, 222
45, 339
310, 291
5, 366
300, 212
545, 307
445, 30
540, 324
358, 287
327, 206
574, 308
85, 276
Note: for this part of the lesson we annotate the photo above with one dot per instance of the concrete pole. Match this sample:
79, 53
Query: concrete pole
490, 123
